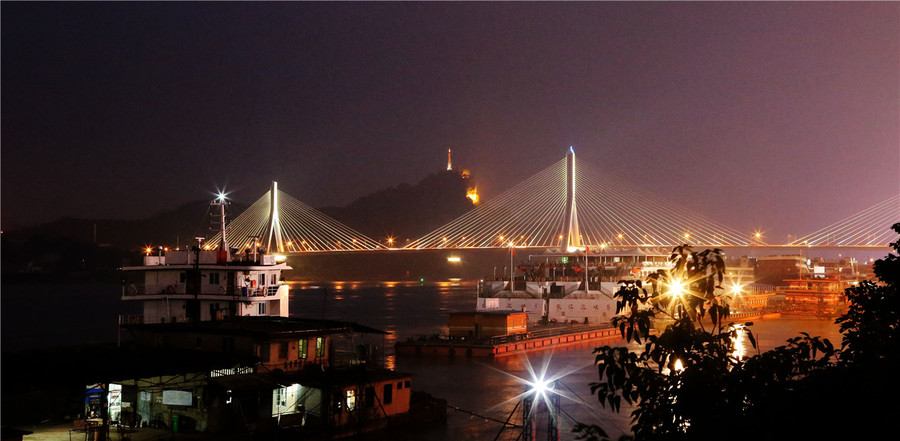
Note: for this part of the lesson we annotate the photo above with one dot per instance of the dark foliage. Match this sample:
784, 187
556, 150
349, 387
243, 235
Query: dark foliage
687, 384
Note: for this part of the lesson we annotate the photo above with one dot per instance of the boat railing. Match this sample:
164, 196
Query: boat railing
260, 291
566, 329
207, 289
131, 319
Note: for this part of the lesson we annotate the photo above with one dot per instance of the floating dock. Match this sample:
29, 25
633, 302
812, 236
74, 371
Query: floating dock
501, 346
550, 338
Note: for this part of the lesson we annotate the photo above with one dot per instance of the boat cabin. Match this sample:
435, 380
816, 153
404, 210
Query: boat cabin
199, 285
481, 324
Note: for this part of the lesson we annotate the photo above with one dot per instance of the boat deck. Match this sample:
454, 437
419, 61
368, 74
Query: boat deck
545, 337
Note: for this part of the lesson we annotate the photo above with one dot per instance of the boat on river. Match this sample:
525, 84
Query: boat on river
557, 298
216, 350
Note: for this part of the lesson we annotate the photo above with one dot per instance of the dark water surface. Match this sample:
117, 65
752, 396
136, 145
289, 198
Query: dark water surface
39, 315
490, 388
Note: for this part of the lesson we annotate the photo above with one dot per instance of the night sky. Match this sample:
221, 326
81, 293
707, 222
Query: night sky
775, 116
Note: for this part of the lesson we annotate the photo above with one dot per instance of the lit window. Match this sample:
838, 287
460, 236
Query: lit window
351, 400
302, 348
320, 346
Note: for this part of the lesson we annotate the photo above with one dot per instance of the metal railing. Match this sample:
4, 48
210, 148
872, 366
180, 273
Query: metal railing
181, 289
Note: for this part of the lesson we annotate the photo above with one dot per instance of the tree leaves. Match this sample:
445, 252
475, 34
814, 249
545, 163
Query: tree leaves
767, 395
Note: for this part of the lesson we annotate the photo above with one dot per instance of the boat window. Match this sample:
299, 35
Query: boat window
388, 393
302, 348
320, 346
370, 396
228, 344
351, 400
214, 278
262, 279
262, 308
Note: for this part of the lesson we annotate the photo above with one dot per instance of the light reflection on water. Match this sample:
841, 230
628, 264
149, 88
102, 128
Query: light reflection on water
489, 387
406, 309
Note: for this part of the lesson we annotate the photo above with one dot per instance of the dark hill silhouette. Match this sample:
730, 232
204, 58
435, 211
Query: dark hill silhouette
406, 211
68, 245
71, 246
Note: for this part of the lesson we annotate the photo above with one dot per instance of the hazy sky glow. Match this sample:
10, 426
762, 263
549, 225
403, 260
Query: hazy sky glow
766, 115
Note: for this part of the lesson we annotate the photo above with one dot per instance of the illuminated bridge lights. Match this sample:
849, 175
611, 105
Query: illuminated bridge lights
294, 220
609, 212
870, 227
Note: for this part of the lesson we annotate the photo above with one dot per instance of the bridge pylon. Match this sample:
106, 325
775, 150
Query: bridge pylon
573, 236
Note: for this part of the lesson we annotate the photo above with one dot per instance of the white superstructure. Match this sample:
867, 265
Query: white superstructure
205, 284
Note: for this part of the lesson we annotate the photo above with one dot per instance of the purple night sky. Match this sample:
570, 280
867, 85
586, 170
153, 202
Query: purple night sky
776, 116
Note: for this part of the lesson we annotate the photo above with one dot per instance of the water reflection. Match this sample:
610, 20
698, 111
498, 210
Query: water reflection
491, 388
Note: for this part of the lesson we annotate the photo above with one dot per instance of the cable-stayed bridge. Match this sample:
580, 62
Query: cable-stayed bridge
283, 224
571, 205
869, 227
575, 204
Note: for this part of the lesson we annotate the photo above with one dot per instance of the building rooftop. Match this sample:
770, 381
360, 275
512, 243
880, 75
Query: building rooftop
313, 376
260, 327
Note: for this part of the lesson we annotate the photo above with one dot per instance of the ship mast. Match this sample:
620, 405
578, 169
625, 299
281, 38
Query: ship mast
224, 252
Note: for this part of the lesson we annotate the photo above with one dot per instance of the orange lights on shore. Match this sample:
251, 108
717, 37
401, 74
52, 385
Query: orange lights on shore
472, 194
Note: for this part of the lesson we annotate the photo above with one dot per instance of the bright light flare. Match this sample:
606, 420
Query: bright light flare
221, 196
541, 387
540, 384
677, 288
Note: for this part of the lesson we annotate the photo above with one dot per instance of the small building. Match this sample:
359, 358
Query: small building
254, 374
829, 291
480, 324
774, 270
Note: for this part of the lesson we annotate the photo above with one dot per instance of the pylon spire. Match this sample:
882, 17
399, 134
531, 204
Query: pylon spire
274, 221
449, 162
573, 237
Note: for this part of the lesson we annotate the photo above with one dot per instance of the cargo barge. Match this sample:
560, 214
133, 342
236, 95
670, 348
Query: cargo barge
555, 300
507, 345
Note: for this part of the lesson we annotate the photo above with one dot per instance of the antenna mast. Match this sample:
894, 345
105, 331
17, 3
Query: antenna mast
223, 254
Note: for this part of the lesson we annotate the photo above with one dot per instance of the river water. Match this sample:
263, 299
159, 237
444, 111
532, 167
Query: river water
490, 388
40, 315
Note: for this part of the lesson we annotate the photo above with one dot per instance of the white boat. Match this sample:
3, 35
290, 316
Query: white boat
207, 283
551, 287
